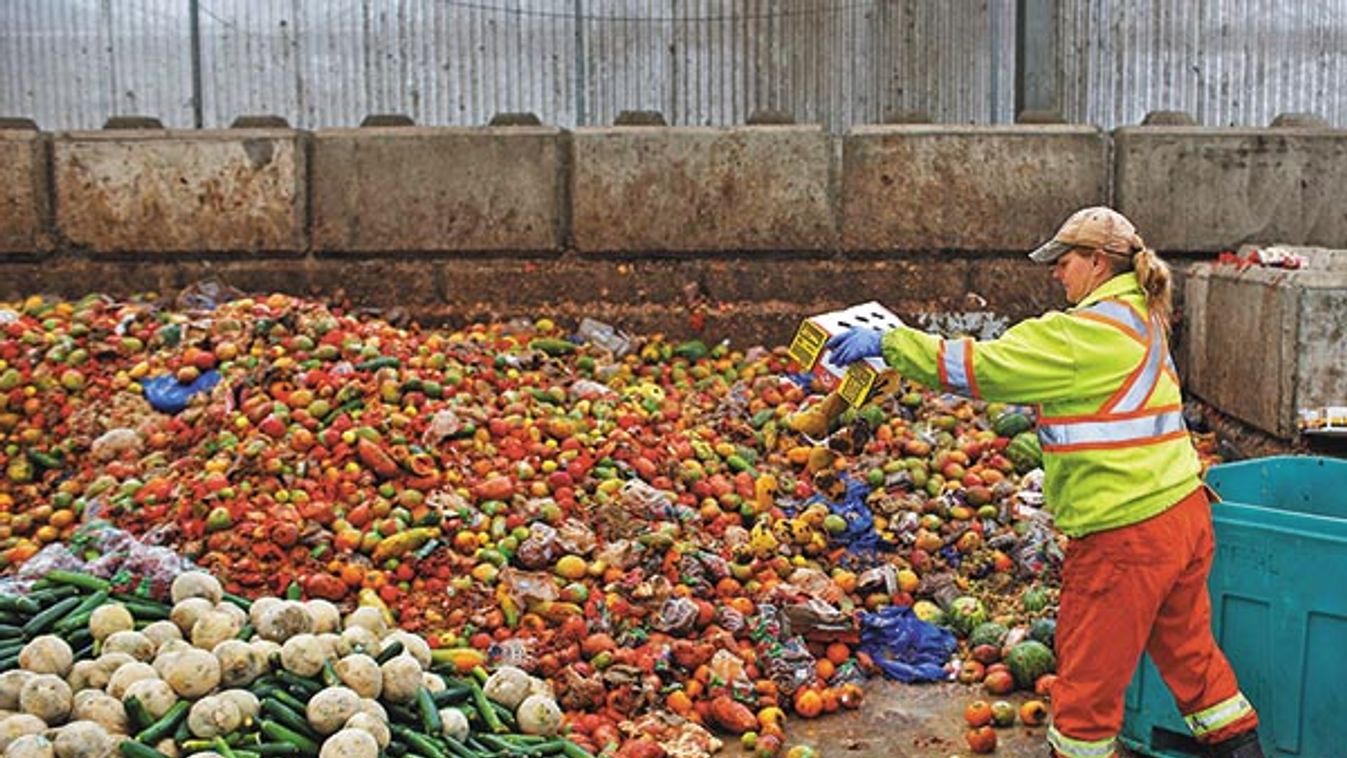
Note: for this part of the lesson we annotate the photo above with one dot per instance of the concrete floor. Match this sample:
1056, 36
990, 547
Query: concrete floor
911, 721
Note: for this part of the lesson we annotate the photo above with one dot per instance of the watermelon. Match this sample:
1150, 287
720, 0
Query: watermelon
1044, 630
1028, 661
989, 633
1011, 423
1025, 452
1035, 599
965, 614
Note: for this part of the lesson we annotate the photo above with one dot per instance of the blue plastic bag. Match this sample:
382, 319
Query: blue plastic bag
905, 647
860, 536
167, 395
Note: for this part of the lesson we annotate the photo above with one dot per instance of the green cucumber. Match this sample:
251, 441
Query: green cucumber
330, 677
279, 733
452, 695
19, 604
238, 600
137, 713
166, 724
82, 581
489, 715
388, 653
39, 623
133, 749
275, 748
289, 701
292, 679
430, 713
418, 742
572, 750
288, 718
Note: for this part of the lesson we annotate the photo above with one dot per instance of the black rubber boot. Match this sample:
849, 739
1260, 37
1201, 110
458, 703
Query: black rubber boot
1243, 745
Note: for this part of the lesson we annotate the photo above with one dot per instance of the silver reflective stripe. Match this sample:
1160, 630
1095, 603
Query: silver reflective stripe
1066, 746
1222, 714
956, 360
1150, 374
1120, 313
1111, 431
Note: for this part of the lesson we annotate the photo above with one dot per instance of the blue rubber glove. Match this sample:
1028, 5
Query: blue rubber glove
854, 345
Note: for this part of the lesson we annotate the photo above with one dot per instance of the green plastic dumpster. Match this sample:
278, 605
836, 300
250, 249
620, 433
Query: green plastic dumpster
1279, 609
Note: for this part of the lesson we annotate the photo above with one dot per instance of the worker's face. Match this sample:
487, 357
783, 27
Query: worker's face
1078, 272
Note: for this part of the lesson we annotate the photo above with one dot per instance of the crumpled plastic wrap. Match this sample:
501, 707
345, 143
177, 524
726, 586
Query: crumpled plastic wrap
118, 551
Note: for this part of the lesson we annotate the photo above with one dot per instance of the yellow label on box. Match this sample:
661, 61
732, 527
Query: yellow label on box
808, 344
856, 383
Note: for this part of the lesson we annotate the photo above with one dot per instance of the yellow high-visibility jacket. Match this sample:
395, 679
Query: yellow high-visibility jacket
1115, 448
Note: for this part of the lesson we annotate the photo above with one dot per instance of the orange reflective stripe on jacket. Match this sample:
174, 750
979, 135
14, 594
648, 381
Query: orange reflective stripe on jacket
1124, 420
1110, 421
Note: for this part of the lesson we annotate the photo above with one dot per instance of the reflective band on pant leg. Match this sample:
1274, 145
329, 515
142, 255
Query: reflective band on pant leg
1069, 748
1222, 714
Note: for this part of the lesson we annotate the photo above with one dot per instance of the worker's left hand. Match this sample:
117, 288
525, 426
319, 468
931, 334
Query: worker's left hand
854, 345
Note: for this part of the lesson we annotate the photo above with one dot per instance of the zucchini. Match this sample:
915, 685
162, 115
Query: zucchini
418, 742
136, 712
80, 614
281, 734
572, 750
143, 608
39, 623
47, 597
289, 701
395, 749
133, 749
489, 715
293, 680
238, 600
11, 662
222, 747
19, 604
452, 695
330, 677
288, 718
81, 581
166, 723
276, 748
430, 713
388, 653
458, 749
8, 631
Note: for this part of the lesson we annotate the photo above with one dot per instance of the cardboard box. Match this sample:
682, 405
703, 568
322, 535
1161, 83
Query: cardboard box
807, 349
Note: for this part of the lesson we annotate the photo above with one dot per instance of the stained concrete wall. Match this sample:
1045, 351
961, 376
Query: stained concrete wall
156, 191
25, 213
438, 190
644, 189
1196, 189
741, 229
978, 188
1262, 343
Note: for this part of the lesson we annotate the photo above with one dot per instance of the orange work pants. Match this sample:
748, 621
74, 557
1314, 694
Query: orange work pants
1142, 587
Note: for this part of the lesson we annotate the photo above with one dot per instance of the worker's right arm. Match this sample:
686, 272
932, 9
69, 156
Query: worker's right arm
1033, 362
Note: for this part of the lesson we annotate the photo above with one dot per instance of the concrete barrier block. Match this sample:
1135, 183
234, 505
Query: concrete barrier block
181, 191
641, 189
413, 189
1260, 344
1194, 189
973, 188
25, 212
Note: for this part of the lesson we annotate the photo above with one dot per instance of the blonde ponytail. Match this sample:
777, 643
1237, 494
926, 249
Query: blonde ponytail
1157, 282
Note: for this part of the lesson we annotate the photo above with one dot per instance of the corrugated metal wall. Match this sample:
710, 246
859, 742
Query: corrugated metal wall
72, 63
1227, 62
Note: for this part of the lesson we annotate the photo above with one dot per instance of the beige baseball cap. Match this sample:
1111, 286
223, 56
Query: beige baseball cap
1096, 228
